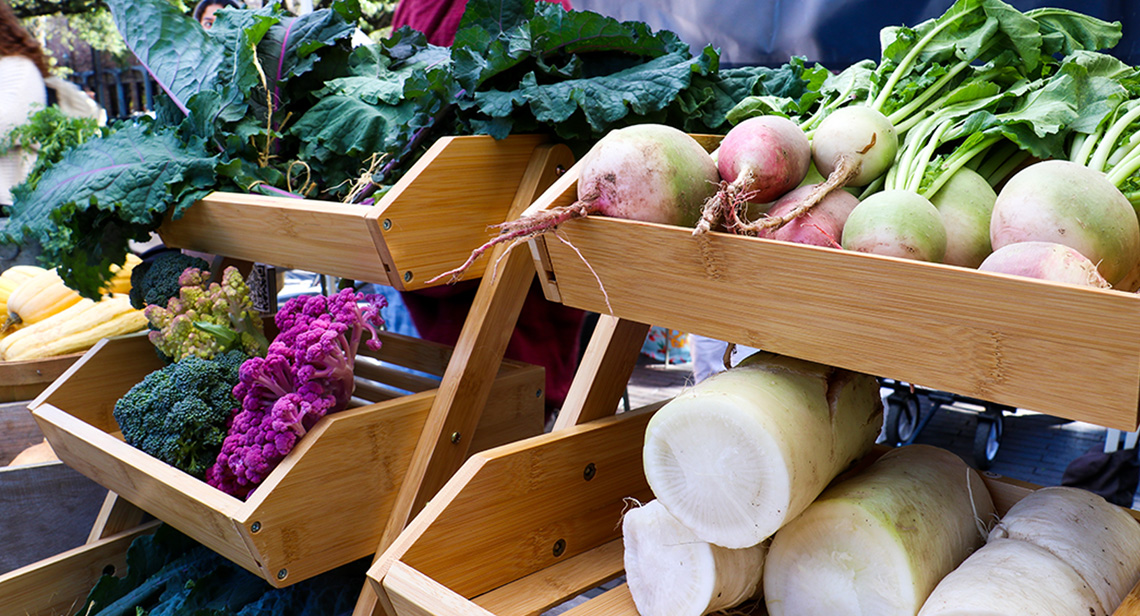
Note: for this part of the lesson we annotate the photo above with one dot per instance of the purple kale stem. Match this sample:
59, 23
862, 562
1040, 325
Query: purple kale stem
273, 190
417, 139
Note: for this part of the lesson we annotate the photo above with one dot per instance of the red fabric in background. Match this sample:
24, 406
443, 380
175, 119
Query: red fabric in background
547, 334
438, 19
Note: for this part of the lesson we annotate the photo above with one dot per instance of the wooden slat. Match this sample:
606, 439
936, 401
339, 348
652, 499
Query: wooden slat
322, 236
415, 594
394, 377
115, 516
987, 336
441, 209
409, 352
604, 372
24, 380
58, 585
616, 602
544, 589
1131, 604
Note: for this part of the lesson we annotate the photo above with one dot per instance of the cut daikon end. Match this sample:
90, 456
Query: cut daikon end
670, 572
743, 451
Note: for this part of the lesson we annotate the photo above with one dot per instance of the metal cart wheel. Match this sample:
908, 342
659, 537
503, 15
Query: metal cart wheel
987, 437
901, 421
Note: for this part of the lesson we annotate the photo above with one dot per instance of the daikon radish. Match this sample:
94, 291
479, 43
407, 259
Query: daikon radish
878, 542
671, 572
1098, 539
743, 451
1007, 577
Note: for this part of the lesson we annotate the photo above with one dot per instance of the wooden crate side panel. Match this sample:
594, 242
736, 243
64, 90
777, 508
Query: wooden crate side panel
414, 594
554, 585
989, 336
515, 408
322, 236
165, 492
409, 352
524, 498
58, 585
24, 380
352, 467
355, 461
92, 385
433, 218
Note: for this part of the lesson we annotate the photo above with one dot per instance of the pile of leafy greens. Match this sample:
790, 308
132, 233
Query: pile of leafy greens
270, 102
168, 573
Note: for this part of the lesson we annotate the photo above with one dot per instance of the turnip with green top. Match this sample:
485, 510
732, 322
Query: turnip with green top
1066, 203
966, 202
896, 223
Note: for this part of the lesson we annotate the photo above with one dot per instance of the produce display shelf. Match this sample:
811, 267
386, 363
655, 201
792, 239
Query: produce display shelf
1064, 350
326, 504
549, 511
426, 223
25, 379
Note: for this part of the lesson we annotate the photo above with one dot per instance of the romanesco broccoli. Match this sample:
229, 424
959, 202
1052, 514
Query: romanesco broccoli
207, 318
179, 413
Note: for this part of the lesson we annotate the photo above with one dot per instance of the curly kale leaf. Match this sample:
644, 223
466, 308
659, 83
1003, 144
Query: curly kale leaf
105, 192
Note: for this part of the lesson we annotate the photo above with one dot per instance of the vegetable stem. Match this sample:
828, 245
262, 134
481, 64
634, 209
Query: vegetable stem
1100, 156
905, 65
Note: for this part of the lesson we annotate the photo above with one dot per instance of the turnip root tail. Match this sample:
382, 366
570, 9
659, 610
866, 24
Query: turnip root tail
846, 168
523, 229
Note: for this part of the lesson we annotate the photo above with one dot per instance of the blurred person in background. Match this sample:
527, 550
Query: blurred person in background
23, 68
204, 11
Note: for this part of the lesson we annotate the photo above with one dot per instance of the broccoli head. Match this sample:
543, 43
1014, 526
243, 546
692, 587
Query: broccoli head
155, 281
179, 413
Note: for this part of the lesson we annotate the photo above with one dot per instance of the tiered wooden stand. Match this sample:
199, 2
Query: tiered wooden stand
24, 380
532, 524
374, 465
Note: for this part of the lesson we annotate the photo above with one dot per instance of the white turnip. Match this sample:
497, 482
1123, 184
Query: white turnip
759, 160
647, 172
966, 202
1063, 202
897, 223
879, 541
671, 572
822, 226
743, 451
1046, 261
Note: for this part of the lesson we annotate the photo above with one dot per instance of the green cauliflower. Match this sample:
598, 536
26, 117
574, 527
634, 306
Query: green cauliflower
179, 413
207, 318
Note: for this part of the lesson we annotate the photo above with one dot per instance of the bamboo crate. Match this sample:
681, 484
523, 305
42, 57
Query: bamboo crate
326, 504
24, 380
531, 525
426, 224
1068, 351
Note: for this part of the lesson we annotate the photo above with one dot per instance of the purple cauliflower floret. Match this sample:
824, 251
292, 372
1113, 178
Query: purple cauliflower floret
306, 374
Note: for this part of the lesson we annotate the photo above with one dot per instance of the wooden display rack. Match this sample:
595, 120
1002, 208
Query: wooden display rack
548, 508
426, 224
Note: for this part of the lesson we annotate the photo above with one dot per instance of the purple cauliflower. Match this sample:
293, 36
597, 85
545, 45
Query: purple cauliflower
306, 374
